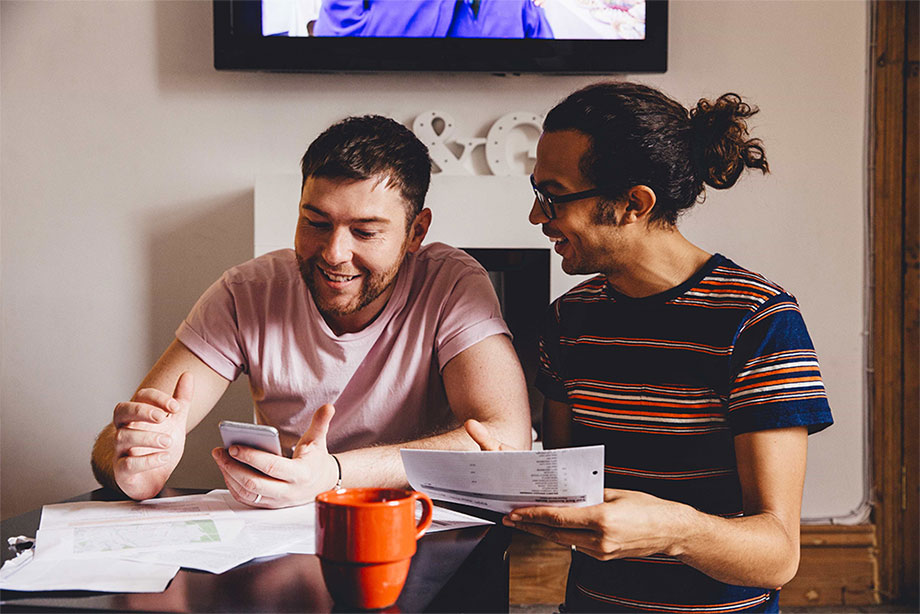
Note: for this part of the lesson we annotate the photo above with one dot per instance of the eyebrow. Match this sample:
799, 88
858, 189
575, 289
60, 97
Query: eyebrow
551, 184
360, 220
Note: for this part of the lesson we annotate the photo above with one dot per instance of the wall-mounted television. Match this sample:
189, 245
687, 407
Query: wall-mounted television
497, 36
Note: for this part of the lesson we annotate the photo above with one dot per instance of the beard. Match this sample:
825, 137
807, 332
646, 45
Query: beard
372, 286
593, 258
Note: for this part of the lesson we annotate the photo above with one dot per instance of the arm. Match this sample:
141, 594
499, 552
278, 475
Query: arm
140, 448
484, 382
759, 549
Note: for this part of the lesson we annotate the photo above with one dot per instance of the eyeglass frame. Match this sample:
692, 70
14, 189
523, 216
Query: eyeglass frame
548, 202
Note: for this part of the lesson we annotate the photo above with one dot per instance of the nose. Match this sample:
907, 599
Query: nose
536, 216
337, 248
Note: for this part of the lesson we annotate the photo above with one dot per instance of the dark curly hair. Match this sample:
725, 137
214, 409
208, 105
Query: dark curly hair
639, 136
372, 146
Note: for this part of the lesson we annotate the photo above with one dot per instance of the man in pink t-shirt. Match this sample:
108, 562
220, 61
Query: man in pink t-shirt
356, 343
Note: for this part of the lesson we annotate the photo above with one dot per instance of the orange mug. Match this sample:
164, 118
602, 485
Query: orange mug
365, 539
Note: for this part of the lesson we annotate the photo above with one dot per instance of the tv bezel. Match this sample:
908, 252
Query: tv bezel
239, 48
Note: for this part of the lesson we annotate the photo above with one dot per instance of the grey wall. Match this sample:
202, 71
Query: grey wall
128, 167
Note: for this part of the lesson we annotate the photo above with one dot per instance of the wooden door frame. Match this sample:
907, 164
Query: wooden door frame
893, 270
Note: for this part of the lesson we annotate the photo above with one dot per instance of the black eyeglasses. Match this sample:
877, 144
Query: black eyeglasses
548, 202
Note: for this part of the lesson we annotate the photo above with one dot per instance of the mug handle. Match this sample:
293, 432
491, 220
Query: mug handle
427, 511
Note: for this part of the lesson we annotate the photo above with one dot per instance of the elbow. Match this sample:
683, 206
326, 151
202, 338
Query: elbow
788, 569
782, 571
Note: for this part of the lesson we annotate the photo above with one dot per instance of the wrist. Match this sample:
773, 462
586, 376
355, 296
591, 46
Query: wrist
683, 526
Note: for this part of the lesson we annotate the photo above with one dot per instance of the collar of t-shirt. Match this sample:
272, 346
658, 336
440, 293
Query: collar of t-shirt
667, 295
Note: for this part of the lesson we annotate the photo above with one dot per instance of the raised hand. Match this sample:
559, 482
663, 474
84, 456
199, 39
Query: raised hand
262, 479
150, 437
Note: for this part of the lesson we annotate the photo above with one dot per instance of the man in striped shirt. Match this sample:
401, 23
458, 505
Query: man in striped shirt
697, 375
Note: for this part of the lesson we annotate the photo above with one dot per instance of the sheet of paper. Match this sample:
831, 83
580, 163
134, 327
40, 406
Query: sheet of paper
87, 513
503, 481
443, 519
112, 540
26, 573
209, 532
257, 540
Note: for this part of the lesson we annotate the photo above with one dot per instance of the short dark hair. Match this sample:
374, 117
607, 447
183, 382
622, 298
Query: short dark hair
640, 136
372, 146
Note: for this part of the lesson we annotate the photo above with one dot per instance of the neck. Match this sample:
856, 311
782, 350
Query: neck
659, 260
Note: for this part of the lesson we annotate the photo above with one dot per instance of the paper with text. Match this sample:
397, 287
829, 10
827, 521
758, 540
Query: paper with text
77, 543
503, 481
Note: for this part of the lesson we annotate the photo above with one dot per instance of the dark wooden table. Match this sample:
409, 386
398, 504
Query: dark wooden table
464, 570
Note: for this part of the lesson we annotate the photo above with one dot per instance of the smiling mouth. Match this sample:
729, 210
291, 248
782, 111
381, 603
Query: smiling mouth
335, 277
558, 242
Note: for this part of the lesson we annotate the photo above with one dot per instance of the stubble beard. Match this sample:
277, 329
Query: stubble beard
598, 263
372, 286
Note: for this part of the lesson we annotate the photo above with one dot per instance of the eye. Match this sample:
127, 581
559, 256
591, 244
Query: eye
365, 234
315, 224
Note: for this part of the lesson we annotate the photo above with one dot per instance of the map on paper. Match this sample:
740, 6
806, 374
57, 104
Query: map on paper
145, 535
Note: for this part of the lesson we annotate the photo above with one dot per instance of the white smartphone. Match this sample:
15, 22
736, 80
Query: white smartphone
257, 436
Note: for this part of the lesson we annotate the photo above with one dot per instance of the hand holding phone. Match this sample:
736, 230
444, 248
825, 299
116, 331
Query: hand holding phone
258, 436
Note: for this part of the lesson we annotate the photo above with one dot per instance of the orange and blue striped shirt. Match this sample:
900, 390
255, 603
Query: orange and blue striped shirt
665, 382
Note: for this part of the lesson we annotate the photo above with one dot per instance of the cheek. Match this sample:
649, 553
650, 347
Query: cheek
302, 243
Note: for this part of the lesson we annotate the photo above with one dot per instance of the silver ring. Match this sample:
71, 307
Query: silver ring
258, 498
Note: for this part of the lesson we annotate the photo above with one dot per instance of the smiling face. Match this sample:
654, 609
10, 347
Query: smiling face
587, 236
350, 241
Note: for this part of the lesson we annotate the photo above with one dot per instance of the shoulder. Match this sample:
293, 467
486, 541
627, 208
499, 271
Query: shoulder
729, 284
273, 268
589, 291
441, 260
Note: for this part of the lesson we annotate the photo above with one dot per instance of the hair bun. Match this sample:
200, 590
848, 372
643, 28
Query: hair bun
722, 148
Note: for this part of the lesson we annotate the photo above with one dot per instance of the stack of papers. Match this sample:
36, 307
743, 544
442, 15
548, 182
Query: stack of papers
77, 543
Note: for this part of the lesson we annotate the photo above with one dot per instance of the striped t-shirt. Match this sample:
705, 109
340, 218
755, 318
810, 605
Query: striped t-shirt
665, 382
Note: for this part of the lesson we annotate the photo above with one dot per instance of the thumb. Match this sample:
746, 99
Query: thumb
185, 389
483, 437
315, 435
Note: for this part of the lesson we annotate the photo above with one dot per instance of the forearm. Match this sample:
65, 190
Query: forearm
756, 550
382, 465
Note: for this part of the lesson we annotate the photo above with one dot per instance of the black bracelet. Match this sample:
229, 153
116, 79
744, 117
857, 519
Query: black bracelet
338, 482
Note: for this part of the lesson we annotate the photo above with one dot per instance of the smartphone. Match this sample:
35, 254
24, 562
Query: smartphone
257, 436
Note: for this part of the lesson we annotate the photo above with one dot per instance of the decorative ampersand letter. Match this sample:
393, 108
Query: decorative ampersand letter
443, 157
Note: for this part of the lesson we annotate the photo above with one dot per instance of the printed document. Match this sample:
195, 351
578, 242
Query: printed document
503, 481
77, 543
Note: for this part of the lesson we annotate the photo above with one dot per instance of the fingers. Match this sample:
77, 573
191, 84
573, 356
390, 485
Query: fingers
483, 437
129, 411
152, 405
561, 517
265, 462
315, 436
245, 484
130, 465
128, 439
580, 538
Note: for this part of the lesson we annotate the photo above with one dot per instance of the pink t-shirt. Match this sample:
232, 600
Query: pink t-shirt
259, 319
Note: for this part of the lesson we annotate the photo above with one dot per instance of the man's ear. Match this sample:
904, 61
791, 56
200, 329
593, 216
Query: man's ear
640, 199
418, 229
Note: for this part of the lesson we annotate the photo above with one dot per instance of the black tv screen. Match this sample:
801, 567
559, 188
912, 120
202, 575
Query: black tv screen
499, 36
